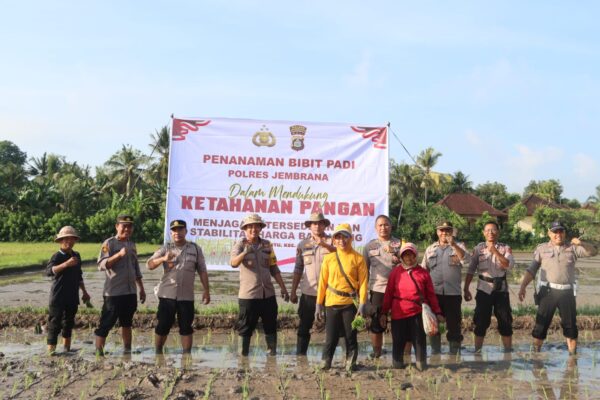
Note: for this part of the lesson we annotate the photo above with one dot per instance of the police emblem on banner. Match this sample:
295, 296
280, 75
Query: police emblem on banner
298, 132
264, 138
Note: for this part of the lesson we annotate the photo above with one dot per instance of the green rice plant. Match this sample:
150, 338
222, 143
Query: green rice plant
169, 388
14, 389
209, 383
28, 380
510, 391
284, 381
458, 382
388, 376
55, 389
321, 383
122, 390
474, 393
82, 395
245, 388
357, 390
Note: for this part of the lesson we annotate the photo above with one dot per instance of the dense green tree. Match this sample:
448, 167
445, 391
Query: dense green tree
11, 154
496, 194
550, 189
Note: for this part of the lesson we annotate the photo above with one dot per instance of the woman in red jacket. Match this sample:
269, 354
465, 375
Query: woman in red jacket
406, 287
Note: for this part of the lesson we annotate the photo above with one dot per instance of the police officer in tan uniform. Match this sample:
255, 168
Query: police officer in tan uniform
181, 260
309, 257
256, 260
381, 255
444, 260
492, 260
118, 259
555, 261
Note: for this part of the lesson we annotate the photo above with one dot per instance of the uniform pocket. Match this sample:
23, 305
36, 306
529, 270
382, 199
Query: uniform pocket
375, 252
432, 262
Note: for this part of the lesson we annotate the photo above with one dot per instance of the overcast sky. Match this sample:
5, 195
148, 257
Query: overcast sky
507, 92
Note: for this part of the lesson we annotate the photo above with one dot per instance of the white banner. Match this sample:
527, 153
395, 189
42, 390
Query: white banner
223, 169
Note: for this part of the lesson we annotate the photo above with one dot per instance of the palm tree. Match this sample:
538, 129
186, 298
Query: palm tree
161, 141
595, 198
404, 184
38, 167
426, 160
125, 169
460, 183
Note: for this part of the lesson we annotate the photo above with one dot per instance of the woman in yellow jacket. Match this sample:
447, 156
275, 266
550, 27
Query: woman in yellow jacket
343, 278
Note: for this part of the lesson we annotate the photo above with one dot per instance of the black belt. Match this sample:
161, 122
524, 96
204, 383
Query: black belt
340, 293
486, 278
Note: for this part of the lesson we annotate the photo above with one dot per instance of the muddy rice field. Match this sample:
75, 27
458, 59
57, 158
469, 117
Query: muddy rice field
214, 371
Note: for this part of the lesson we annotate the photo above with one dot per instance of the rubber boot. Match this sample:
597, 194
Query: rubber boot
398, 364
326, 364
436, 344
271, 344
302, 345
351, 361
454, 348
245, 345
421, 365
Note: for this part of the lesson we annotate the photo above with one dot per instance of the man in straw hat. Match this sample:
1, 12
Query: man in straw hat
256, 260
118, 259
180, 261
444, 259
343, 279
309, 257
555, 261
65, 269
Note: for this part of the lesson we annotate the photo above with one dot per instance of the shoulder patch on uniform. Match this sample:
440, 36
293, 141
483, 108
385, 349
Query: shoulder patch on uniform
105, 248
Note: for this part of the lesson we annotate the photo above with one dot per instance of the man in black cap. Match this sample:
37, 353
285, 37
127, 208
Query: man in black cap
180, 260
444, 259
556, 284
118, 259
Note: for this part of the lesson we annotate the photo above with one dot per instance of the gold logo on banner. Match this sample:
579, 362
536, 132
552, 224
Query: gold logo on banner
298, 132
264, 138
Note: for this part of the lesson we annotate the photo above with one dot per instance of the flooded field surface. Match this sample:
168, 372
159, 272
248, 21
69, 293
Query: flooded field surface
214, 371
32, 288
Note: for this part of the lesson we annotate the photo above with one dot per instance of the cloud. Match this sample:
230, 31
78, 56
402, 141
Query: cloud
531, 164
362, 75
531, 159
584, 166
473, 138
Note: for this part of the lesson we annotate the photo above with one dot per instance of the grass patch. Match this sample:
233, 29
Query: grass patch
228, 308
16, 254
520, 311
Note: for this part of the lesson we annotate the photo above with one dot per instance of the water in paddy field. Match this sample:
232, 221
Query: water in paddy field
549, 374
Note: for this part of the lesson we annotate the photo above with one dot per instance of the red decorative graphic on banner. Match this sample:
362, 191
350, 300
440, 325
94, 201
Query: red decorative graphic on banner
286, 261
378, 135
182, 127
